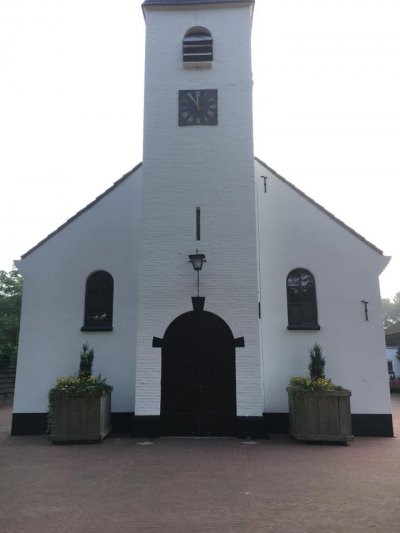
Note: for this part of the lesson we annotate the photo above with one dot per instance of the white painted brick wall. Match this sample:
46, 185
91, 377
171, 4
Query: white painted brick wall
102, 237
211, 167
295, 233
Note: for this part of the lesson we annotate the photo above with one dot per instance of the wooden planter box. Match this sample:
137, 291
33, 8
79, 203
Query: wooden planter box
81, 418
320, 415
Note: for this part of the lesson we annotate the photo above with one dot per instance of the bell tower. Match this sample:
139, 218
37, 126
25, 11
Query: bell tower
198, 188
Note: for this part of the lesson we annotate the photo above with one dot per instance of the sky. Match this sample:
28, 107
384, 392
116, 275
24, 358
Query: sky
326, 110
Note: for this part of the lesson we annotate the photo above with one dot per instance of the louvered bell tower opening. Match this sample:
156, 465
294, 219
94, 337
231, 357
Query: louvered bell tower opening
198, 46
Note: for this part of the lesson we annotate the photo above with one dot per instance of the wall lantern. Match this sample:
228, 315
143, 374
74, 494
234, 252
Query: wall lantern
197, 261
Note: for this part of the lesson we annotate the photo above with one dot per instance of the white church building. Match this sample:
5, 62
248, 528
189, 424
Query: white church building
206, 352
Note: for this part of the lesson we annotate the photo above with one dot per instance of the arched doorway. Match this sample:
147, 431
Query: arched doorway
198, 376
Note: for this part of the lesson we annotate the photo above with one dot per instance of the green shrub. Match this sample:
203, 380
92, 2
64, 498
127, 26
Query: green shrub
316, 379
86, 362
316, 367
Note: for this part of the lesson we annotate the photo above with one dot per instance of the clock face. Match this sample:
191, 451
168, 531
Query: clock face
198, 107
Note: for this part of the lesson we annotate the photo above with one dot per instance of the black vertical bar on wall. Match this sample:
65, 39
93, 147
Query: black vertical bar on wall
197, 223
365, 309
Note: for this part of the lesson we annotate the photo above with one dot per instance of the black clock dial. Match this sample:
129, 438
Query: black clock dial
198, 107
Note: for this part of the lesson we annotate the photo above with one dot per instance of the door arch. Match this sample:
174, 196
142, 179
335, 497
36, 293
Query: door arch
198, 376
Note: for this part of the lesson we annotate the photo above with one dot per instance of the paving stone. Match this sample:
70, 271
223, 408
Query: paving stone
198, 485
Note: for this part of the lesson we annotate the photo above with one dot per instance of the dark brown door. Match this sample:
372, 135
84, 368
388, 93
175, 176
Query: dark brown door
198, 378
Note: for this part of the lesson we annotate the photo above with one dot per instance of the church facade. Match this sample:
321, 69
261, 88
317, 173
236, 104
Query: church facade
202, 277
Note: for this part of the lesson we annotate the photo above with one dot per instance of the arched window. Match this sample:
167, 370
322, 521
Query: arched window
99, 302
301, 300
197, 46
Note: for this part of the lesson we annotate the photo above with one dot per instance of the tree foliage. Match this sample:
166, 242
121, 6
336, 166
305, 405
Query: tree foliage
10, 310
391, 310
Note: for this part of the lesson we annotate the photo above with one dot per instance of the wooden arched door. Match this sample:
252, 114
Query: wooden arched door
198, 376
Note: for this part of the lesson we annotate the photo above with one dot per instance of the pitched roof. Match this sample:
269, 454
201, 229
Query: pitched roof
394, 329
325, 211
125, 176
392, 336
86, 208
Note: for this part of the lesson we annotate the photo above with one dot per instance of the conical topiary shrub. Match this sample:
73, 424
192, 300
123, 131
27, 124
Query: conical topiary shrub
316, 367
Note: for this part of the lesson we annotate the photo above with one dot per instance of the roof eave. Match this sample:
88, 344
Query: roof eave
147, 3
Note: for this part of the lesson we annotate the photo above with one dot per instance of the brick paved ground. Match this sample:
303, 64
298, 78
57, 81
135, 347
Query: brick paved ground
199, 485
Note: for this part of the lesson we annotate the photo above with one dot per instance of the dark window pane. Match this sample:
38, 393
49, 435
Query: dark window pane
301, 299
308, 295
99, 299
309, 315
294, 294
295, 315
293, 281
306, 280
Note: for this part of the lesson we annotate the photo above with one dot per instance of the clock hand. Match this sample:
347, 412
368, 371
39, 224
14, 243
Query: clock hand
196, 102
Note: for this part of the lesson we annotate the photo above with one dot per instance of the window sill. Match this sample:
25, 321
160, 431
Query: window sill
197, 64
98, 327
306, 327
